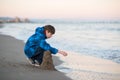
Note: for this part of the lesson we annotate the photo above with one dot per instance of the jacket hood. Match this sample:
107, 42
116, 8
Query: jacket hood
40, 31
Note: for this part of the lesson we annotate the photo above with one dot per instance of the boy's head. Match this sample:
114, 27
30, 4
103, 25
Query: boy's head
49, 30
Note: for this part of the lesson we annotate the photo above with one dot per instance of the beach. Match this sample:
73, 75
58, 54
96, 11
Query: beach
14, 66
90, 68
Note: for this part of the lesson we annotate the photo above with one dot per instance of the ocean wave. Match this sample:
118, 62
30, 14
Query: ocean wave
96, 39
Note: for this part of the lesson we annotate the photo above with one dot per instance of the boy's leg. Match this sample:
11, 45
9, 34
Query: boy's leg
39, 58
47, 62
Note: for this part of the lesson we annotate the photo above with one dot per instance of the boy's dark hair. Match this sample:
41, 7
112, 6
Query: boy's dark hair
50, 28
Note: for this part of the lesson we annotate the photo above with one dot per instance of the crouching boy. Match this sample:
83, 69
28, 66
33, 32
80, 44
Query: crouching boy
36, 46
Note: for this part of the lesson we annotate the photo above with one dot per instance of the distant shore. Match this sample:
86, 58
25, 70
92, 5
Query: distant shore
55, 20
14, 20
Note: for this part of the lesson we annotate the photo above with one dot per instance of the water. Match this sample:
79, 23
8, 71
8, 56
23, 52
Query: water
99, 39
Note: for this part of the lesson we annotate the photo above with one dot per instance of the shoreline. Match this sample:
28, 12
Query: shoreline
80, 66
14, 66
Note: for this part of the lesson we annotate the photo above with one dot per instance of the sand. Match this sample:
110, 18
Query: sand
14, 66
81, 67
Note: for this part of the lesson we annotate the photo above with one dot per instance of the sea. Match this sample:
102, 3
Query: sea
99, 39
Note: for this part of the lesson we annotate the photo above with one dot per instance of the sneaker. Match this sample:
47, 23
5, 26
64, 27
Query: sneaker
32, 62
37, 63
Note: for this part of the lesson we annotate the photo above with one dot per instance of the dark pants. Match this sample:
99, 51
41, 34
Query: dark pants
38, 55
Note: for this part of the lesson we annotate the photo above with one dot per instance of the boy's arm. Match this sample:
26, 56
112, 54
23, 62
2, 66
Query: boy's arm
43, 44
46, 46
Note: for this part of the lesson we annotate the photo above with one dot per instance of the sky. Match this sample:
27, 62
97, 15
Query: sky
80, 9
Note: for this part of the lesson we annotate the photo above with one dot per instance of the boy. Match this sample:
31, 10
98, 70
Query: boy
36, 45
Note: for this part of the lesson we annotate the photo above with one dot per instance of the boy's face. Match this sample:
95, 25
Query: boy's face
48, 34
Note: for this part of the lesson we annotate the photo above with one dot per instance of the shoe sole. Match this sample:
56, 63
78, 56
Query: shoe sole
36, 65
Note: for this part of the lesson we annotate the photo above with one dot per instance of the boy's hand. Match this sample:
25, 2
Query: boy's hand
63, 53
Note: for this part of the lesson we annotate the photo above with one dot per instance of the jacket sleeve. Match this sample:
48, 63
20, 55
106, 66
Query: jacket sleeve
43, 44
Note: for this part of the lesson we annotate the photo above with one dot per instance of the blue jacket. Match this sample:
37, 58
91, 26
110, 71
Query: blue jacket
37, 40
